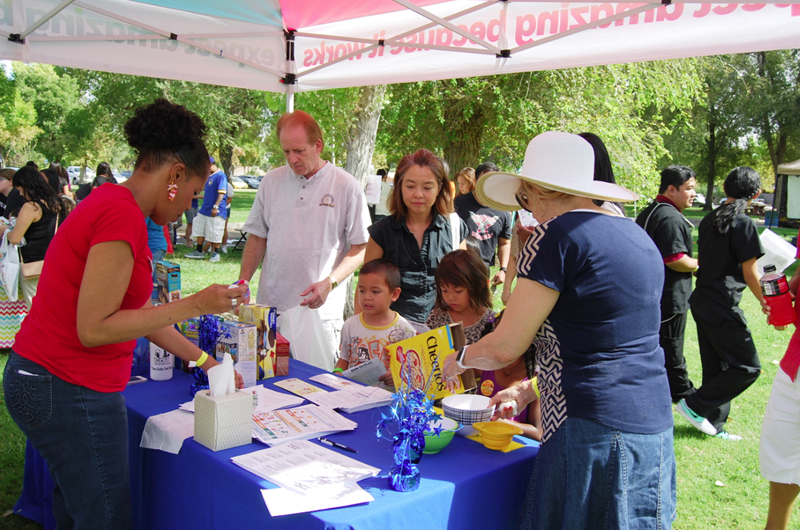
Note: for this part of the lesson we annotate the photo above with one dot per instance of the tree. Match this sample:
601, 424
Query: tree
17, 121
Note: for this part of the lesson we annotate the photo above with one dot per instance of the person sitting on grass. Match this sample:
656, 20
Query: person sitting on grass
366, 335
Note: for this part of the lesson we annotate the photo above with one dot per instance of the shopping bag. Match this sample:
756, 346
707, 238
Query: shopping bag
302, 327
9, 268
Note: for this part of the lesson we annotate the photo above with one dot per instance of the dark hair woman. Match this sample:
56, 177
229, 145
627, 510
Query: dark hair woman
728, 248
421, 229
36, 222
76, 344
64, 188
603, 171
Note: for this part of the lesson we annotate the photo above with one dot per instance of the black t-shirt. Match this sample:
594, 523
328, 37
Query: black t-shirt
720, 280
485, 224
672, 234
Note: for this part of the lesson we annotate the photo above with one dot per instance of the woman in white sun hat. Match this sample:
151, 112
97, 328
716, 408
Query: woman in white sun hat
588, 297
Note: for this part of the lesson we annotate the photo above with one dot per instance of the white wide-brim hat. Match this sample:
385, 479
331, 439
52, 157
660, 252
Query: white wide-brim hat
556, 161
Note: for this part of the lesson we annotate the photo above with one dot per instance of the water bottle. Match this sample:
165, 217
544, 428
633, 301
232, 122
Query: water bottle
161, 363
775, 289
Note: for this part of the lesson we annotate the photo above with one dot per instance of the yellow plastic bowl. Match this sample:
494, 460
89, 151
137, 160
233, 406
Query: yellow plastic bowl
497, 435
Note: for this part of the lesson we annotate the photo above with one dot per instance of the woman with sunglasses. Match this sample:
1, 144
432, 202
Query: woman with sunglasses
588, 298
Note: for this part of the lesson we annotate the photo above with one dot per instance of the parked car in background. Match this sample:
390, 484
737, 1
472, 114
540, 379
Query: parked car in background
700, 200
252, 182
238, 183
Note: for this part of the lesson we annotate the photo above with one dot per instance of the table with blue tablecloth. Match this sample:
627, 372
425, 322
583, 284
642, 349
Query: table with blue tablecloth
465, 486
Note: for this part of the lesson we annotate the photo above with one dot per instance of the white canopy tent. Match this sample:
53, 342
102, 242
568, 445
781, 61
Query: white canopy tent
299, 45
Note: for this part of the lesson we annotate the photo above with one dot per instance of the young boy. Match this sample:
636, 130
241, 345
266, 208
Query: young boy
366, 335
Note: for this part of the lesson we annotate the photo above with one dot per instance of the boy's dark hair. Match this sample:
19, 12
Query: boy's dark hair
486, 167
384, 268
675, 176
464, 268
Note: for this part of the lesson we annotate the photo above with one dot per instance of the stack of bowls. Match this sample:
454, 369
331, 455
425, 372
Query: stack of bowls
497, 435
467, 409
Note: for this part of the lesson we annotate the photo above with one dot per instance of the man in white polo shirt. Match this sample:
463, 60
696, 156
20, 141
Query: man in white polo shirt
307, 227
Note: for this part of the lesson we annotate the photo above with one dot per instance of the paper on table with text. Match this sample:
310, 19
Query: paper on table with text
282, 501
339, 383
298, 386
301, 423
266, 400
303, 466
367, 372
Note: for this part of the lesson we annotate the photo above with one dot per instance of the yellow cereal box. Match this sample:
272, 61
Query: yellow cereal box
264, 318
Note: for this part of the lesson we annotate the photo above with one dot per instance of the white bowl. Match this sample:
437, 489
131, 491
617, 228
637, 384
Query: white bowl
467, 408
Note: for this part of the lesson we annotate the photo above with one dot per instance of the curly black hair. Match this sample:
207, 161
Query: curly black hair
163, 131
36, 188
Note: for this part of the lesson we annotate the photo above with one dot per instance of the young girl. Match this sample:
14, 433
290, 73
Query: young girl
728, 247
462, 295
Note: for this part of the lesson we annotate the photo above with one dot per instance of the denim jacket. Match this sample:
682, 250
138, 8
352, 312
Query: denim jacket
417, 265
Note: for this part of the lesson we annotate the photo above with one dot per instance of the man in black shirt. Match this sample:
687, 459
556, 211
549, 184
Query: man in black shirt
491, 228
672, 234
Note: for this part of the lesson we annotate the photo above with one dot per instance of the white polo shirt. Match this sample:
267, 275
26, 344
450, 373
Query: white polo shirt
309, 225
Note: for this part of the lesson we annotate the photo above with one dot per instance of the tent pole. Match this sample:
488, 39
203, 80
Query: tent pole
290, 80
289, 98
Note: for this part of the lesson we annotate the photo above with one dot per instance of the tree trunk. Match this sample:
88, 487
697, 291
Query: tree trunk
712, 163
464, 131
360, 145
225, 161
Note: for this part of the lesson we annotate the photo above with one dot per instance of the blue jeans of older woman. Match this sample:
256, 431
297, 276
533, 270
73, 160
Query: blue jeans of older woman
589, 476
83, 436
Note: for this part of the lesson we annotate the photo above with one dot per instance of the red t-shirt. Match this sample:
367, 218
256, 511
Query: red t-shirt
49, 334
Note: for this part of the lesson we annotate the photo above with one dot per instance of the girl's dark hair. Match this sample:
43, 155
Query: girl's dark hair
742, 184
464, 268
602, 163
59, 169
422, 158
103, 168
162, 132
37, 188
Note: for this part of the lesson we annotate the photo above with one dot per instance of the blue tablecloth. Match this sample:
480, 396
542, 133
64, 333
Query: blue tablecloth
465, 486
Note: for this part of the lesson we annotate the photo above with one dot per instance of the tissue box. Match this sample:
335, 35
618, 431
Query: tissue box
264, 318
282, 354
239, 339
223, 422
168, 281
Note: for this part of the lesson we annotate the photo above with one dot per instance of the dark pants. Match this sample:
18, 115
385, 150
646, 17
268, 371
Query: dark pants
730, 365
671, 339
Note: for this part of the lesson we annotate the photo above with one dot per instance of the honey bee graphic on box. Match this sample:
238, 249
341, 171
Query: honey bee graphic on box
416, 360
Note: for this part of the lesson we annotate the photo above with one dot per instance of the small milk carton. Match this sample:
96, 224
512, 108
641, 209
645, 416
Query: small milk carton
282, 354
239, 339
264, 318
168, 281
223, 422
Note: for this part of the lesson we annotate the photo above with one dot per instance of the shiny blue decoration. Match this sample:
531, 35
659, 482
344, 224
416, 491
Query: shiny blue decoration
411, 411
199, 380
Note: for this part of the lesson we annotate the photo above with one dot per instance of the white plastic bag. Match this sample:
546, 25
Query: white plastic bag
9, 267
302, 327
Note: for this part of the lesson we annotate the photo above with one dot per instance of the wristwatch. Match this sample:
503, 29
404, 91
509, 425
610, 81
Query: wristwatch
503, 269
334, 283
460, 358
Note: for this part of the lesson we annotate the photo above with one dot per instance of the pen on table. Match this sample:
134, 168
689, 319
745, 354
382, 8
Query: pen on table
336, 444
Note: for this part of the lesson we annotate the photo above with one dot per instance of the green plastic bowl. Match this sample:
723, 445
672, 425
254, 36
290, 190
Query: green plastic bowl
434, 443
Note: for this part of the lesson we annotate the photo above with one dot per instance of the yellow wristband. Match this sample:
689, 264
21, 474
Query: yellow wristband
200, 360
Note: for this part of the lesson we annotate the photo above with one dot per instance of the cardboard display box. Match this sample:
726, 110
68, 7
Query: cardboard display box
239, 339
168, 281
282, 355
264, 318
223, 422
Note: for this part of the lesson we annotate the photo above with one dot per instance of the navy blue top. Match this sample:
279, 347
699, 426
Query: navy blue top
598, 350
417, 265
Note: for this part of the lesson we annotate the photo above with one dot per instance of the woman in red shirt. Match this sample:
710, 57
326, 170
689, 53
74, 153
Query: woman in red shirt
72, 357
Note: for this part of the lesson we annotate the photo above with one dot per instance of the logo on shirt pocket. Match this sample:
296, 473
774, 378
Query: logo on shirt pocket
327, 200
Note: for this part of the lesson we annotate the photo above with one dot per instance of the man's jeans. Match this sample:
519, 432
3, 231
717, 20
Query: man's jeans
83, 436
588, 476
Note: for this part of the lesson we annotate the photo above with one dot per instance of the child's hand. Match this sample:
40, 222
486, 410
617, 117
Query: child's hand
451, 371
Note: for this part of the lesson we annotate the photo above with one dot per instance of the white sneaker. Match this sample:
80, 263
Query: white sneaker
195, 255
224, 249
214, 257
697, 421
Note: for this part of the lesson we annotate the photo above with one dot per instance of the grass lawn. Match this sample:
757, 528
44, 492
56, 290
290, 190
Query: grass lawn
719, 485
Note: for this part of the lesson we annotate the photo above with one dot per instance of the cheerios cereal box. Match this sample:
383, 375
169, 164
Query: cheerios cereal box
419, 360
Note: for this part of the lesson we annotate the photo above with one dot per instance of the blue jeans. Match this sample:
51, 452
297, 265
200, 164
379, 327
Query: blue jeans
588, 476
83, 436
